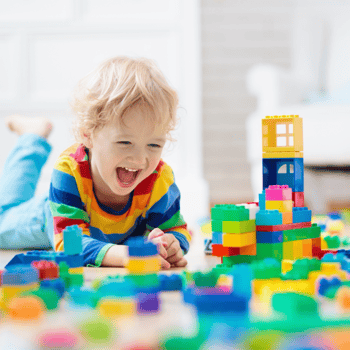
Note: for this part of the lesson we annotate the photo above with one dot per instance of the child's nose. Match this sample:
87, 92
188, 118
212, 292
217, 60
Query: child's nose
138, 157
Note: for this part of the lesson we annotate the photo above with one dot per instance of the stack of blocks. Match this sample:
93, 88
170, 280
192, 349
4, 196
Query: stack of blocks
281, 228
143, 266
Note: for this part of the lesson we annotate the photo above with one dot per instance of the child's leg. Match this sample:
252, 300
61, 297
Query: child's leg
23, 226
22, 168
22, 220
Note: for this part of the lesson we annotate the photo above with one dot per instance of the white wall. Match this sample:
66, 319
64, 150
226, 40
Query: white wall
47, 46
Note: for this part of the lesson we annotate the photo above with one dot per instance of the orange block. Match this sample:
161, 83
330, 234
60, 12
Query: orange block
248, 250
26, 308
343, 298
307, 248
287, 218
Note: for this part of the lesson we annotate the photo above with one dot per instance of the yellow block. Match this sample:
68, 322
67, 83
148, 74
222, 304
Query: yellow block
238, 240
281, 206
298, 249
288, 250
225, 280
287, 265
8, 292
76, 270
300, 286
117, 307
279, 154
324, 245
144, 265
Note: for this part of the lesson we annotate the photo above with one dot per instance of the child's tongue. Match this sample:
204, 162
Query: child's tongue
126, 176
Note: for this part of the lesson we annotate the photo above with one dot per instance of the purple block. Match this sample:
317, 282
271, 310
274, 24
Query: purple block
147, 303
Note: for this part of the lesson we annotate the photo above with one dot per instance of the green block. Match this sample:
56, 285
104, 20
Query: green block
314, 231
238, 226
76, 280
222, 269
268, 250
49, 297
229, 212
183, 342
238, 259
302, 233
97, 330
266, 269
216, 226
289, 236
333, 242
206, 279
295, 306
148, 280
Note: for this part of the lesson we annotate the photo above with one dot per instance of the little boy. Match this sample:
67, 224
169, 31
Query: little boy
113, 182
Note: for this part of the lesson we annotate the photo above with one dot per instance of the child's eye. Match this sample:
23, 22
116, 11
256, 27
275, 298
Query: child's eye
154, 145
124, 142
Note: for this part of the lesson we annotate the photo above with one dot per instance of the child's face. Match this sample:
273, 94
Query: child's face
123, 156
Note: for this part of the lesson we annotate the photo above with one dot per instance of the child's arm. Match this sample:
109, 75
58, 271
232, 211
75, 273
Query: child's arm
164, 214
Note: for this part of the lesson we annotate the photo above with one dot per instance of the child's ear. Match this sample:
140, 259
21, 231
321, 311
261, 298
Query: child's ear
87, 140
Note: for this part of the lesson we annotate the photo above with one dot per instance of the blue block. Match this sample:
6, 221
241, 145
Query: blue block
268, 218
216, 238
139, 247
269, 237
71, 260
242, 280
19, 275
284, 171
301, 214
262, 201
83, 296
170, 282
73, 240
56, 284
325, 284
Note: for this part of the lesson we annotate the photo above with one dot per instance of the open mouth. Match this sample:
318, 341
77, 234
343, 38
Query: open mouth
126, 176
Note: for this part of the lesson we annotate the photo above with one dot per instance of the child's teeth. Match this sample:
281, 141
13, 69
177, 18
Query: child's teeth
130, 169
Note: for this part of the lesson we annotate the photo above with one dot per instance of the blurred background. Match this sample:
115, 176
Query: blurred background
232, 61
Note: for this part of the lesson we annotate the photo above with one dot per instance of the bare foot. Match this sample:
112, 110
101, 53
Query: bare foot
22, 125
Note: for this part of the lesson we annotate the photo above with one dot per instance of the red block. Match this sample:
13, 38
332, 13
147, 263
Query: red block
316, 242
47, 269
298, 199
273, 228
220, 250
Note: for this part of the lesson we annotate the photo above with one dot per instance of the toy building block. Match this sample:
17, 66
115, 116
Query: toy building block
282, 134
73, 240
25, 308
325, 284
282, 206
266, 269
269, 250
216, 225
238, 259
298, 249
55, 284
288, 253
49, 297
298, 199
238, 240
229, 212
269, 228
216, 237
262, 200
148, 303
248, 250
287, 218
144, 265
112, 308
269, 237
278, 193
284, 171
307, 248
138, 247
220, 251
301, 214
268, 218
170, 282
253, 208
332, 242
238, 226
283, 155
19, 275
205, 279
46, 269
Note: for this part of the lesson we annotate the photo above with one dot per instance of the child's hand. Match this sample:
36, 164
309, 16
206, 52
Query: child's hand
169, 249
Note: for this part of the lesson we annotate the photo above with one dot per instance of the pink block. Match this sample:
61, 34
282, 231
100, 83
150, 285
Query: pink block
278, 193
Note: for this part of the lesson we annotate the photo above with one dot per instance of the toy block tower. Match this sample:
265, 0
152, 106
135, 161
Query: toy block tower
283, 162
234, 234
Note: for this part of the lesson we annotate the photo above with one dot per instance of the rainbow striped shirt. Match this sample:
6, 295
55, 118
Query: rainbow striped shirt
155, 202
